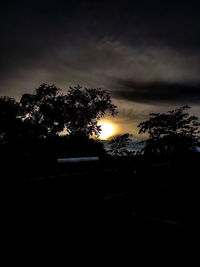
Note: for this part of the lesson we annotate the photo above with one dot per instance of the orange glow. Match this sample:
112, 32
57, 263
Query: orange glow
107, 130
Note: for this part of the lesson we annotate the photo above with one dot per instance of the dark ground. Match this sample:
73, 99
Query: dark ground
153, 194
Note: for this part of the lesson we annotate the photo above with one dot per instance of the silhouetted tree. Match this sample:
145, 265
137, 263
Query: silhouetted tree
119, 143
34, 124
44, 110
172, 132
10, 122
85, 107
50, 112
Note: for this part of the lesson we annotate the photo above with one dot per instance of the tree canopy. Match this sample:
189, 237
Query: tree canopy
85, 107
48, 112
172, 132
77, 112
44, 110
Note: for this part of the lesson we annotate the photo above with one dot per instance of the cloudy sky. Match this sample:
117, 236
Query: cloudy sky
145, 53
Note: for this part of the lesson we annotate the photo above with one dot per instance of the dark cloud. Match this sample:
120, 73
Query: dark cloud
158, 92
34, 31
131, 114
145, 52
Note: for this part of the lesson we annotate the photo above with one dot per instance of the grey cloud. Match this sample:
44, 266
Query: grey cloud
100, 44
110, 64
131, 114
158, 92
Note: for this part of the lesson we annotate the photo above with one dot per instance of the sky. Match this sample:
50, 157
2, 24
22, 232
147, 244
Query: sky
146, 54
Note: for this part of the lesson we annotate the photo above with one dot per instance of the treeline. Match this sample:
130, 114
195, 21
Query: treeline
49, 123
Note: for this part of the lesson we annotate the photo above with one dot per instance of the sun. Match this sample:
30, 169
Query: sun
107, 130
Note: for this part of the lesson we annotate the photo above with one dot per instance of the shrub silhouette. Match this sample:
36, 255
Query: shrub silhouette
119, 143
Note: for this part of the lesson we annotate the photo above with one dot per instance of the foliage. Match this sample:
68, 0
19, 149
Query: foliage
50, 112
85, 107
44, 110
10, 122
33, 125
172, 132
119, 143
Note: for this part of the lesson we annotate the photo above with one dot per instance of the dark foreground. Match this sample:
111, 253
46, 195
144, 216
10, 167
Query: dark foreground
153, 194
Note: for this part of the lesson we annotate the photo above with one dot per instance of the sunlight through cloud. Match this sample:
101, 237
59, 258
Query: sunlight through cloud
107, 130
